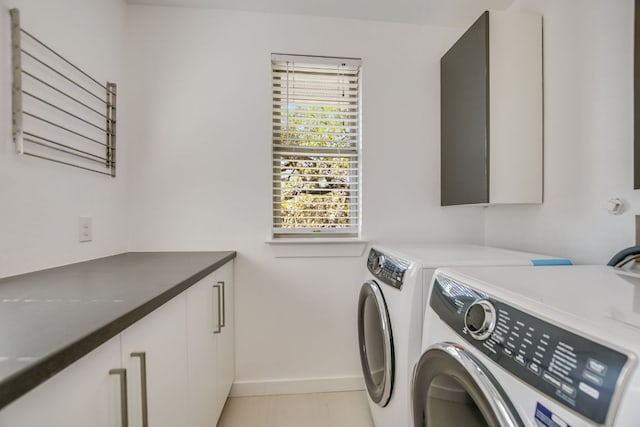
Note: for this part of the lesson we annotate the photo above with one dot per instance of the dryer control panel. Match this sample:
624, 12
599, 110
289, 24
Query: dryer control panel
387, 268
571, 369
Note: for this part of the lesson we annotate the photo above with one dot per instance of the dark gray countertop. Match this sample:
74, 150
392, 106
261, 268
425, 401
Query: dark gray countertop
51, 318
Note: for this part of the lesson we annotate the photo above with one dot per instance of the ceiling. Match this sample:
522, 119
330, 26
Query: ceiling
457, 13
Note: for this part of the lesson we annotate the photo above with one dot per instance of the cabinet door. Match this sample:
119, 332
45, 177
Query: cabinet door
464, 99
226, 339
202, 323
84, 394
157, 344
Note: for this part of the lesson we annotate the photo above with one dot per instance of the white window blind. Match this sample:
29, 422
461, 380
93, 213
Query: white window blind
316, 146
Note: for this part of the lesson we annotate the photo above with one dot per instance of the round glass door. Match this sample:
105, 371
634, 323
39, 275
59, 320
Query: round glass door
376, 343
452, 388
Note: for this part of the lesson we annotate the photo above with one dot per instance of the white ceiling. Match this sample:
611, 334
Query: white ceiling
458, 13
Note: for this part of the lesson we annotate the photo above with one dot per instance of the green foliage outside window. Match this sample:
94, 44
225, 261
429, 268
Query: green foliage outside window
315, 189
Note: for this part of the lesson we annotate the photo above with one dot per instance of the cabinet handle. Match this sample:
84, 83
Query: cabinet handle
143, 386
124, 410
219, 325
224, 313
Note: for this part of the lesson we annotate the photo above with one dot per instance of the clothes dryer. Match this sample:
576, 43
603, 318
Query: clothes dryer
391, 312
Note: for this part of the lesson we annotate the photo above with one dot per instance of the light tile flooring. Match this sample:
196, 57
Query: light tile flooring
340, 409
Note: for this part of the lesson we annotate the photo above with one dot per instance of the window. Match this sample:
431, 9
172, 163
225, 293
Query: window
316, 146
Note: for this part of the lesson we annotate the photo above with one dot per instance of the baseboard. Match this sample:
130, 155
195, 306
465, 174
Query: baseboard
296, 386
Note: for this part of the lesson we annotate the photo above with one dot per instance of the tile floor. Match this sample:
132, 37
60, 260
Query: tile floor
340, 409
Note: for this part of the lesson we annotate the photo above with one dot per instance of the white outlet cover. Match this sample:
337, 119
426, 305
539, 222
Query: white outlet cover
85, 231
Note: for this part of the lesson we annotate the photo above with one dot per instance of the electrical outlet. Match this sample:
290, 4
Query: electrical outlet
85, 231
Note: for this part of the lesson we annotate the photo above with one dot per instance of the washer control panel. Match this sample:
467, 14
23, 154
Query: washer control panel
571, 369
387, 268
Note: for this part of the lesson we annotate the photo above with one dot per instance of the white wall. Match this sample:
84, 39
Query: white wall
588, 154
40, 201
197, 145
200, 172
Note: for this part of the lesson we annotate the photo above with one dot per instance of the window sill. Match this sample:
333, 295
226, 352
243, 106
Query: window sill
317, 247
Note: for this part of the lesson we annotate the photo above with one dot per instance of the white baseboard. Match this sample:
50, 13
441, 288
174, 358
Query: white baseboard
296, 386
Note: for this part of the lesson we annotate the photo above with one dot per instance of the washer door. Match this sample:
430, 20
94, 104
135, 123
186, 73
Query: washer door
452, 388
376, 343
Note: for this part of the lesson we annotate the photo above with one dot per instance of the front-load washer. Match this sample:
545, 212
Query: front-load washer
521, 346
391, 311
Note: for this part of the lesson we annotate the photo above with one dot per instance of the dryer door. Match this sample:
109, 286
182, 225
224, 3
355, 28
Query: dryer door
376, 343
452, 388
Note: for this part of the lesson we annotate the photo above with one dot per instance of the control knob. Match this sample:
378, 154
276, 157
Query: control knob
378, 265
480, 319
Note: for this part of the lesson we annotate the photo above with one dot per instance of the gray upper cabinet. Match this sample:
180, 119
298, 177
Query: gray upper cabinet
491, 112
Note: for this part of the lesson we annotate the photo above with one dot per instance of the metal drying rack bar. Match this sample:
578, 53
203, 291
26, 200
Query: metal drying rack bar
70, 124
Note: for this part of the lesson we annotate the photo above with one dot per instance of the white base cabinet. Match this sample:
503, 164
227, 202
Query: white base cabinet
210, 345
225, 363
178, 362
154, 353
84, 394
202, 321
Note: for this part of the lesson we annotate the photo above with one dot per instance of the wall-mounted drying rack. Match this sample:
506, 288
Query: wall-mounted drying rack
60, 113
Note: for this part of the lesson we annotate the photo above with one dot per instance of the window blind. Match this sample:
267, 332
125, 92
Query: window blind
316, 146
